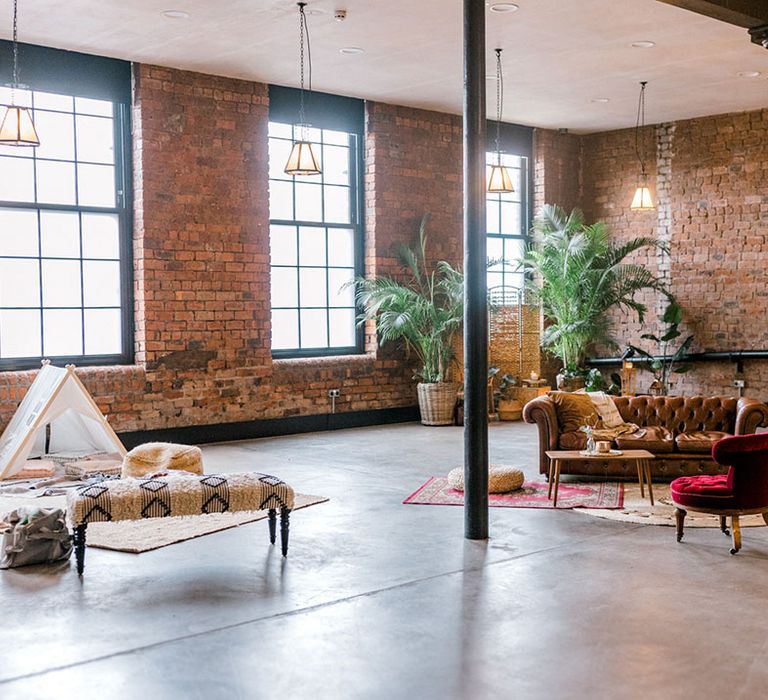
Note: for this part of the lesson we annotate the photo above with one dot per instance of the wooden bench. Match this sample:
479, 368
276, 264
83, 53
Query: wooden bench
178, 494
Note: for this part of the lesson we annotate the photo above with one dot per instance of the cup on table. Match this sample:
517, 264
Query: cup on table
603, 447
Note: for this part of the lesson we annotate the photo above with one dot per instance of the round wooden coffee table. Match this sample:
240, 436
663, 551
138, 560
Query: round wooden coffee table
640, 457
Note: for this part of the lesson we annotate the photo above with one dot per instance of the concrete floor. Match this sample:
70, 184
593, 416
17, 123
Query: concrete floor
382, 600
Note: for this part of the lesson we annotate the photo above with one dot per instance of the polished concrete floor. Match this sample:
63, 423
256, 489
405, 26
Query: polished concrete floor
382, 600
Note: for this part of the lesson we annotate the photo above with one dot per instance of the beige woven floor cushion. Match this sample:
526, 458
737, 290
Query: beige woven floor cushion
501, 478
176, 494
153, 457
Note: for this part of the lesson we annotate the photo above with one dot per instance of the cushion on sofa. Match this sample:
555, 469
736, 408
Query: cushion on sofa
575, 440
573, 410
702, 491
699, 440
652, 438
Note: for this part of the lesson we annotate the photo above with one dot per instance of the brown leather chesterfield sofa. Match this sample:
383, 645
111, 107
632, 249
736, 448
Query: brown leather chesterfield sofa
678, 430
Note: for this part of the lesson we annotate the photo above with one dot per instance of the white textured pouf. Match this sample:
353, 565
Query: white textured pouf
153, 457
501, 478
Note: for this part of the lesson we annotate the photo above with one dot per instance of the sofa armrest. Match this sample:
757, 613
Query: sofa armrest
541, 411
751, 414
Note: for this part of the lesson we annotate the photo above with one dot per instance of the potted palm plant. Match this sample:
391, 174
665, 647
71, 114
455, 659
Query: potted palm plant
424, 310
578, 274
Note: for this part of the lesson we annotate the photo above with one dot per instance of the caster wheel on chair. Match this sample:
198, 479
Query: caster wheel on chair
734, 551
679, 538
727, 533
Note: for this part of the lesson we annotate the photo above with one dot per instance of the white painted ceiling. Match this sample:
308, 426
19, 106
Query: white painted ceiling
558, 54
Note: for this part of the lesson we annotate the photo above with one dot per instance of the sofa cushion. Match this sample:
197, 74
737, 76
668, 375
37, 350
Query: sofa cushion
573, 410
699, 440
606, 408
654, 438
575, 440
702, 491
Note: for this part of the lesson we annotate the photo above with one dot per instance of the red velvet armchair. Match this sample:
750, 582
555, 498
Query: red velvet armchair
742, 491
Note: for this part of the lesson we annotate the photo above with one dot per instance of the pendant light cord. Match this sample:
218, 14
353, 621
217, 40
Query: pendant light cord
499, 104
640, 123
15, 52
303, 32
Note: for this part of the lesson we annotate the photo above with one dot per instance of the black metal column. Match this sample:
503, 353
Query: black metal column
475, 283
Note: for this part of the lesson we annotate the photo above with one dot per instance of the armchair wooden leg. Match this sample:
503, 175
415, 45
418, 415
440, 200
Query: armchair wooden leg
724, 527
735, 534
679, 522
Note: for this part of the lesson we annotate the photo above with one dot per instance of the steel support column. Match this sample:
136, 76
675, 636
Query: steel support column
475, 283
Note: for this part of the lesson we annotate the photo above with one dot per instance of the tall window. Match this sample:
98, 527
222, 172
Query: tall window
507, 229
315, 245
64, 242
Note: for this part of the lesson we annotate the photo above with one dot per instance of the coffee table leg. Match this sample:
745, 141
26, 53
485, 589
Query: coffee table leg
551, 476
647, 465
557, 480
639, 465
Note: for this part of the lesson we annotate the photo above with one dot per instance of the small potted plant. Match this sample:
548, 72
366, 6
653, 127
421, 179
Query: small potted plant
508, 407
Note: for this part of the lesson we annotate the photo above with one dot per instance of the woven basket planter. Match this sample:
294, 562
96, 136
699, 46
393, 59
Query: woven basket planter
510, 409
436, 402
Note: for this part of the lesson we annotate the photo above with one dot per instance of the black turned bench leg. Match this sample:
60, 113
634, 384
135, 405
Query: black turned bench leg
285, 514
272, 525
78, 539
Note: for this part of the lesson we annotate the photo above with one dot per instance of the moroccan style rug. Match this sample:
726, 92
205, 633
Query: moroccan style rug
639, 510
137, 536
533, 494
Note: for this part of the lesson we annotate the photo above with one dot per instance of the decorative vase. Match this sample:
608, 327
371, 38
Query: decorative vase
436, 402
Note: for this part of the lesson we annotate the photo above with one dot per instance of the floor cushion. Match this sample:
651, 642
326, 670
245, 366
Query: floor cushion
653, 438
501, 478
573, 410
154, 457
702, 491
699, 440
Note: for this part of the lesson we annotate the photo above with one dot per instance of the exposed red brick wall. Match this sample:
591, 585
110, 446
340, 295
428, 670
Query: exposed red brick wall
202, 258
713, 211
557, 169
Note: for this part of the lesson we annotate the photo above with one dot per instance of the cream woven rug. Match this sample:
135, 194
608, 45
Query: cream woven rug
639, 510
137, 536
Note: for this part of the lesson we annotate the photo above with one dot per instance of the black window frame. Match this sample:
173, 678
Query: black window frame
515, 140
336, 113
94, 77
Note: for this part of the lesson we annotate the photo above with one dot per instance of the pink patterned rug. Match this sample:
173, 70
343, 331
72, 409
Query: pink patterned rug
533, 494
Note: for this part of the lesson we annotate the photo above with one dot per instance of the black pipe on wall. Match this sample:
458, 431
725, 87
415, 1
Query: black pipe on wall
737, 356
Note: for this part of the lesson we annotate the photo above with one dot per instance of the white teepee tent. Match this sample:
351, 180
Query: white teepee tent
57, 398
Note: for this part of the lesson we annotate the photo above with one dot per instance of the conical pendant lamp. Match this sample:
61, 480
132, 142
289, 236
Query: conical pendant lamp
16, 125
303, 159
642, 201
499, 180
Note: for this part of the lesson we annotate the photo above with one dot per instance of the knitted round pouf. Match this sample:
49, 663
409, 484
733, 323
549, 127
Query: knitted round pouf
501, 478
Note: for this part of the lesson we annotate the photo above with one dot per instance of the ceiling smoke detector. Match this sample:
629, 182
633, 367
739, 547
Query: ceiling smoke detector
504, 7
176, 14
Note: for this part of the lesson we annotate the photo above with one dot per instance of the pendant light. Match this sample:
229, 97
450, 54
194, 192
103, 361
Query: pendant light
303, 160
642, 201
16, 125
499, 181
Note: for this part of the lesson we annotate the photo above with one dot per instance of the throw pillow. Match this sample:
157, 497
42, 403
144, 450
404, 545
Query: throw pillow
605, 406
573, 410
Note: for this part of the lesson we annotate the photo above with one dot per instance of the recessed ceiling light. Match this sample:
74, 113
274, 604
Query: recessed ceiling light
504, 7
351, 50
643, 44
176, 14
601, 100
749, 74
